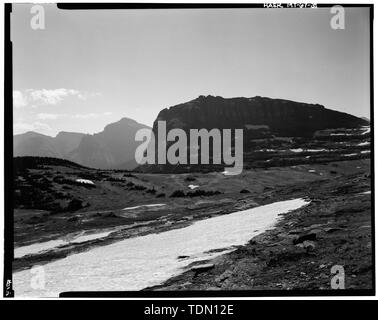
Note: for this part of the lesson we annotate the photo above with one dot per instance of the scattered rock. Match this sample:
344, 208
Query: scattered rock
213, 288
202, 267
110, 215
309, 236
225, 275
330, 230
309, 245
73, 219
314, 226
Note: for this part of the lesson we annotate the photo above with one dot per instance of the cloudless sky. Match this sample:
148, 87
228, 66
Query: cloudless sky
134, 63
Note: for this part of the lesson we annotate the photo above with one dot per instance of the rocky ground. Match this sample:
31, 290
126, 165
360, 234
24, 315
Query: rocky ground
335, 229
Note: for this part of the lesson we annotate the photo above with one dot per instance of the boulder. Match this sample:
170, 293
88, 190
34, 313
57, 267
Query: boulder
309, 236
202, 267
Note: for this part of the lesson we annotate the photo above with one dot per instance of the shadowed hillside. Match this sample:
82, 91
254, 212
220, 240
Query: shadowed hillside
112, 148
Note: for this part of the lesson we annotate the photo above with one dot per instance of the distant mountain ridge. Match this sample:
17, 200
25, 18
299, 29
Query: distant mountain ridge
36, 144
112, 148
262, 119
280, 117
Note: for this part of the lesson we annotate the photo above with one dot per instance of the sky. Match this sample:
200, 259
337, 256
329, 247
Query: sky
89, 68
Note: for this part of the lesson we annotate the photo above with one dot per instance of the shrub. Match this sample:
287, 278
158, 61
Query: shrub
152, 191
198, 193
113, 179
139, 187
73, 219
177, 194
74, 204
130, 175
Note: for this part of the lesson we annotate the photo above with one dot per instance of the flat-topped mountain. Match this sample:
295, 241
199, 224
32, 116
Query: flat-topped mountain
276, 132
279, 117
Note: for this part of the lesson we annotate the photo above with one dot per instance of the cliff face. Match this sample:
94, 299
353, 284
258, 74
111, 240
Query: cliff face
279, 117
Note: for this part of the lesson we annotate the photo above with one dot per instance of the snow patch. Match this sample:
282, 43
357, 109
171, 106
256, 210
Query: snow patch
140, 262
145, 205
84, 181
350, 154
37, 248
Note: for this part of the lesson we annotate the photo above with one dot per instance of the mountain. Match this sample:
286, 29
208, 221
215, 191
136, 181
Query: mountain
276, 132
279, 117
68, 141
35, 144
113, 148
268, 124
